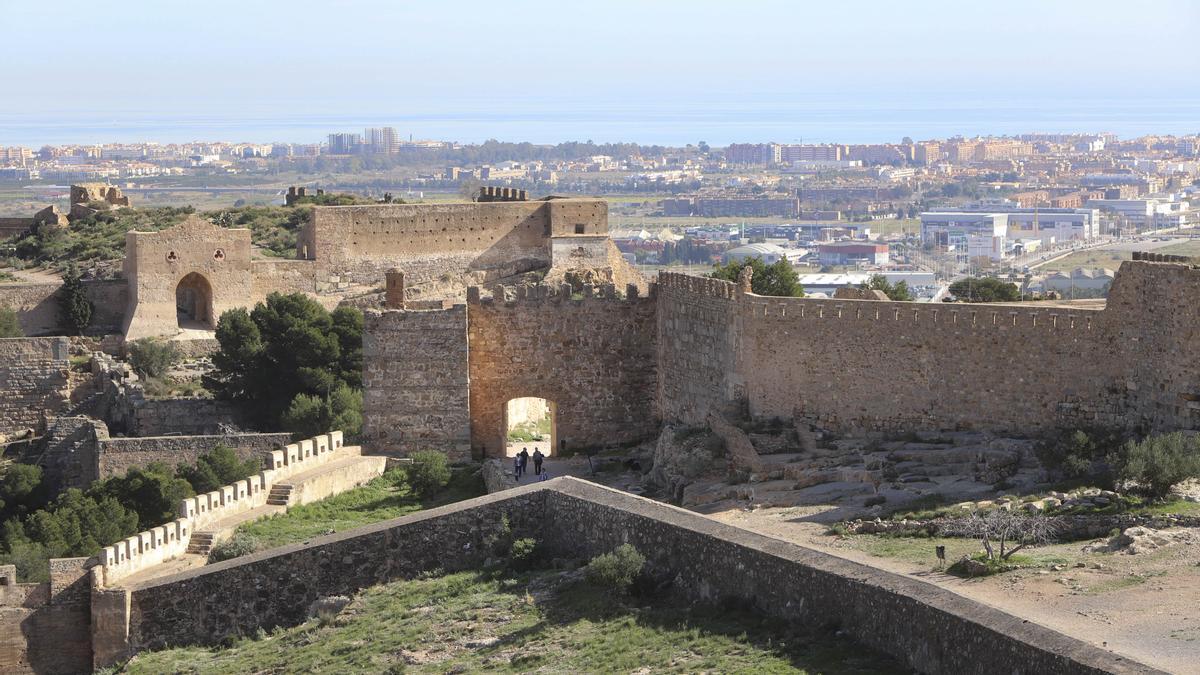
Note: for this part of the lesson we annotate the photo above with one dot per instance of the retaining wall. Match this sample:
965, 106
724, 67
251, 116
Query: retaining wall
34, 380
930, 629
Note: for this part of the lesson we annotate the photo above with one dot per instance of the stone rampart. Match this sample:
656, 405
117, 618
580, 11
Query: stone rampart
930, 629
853, 365
415, 380
359, 243
165, 542
34, 380
591, 356
36, 305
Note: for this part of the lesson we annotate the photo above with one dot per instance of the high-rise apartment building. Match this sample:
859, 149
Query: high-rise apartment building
752, 153
789, 154
344, 144
381, 140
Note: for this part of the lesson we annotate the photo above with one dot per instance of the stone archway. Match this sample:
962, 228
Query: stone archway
194, 302
530, 422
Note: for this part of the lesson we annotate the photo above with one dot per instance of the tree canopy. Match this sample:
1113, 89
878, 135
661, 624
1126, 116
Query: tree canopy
778, 279
984, 289
896, 291
288, 347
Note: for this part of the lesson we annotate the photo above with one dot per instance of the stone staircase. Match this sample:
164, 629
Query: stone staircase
280, 495
201, 543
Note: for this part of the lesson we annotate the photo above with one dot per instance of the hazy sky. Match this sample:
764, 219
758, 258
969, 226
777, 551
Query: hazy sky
377, 58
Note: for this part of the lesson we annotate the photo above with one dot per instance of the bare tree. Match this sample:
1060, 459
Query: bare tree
1003, 533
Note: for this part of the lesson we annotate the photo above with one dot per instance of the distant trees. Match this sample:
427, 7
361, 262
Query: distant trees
73, 302
288, 361
984, 289
778, 279
896, 291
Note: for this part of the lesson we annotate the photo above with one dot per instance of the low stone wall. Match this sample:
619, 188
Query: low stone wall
931, 629
338, 479
36, 305
118, 455
197, 416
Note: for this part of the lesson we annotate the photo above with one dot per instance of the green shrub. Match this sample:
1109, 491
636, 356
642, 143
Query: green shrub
618, 569
522, 555
308, 416
238, 545
1079, 454
73, 302
153, 357
9, 326
1156, 463
429, 472
217, 469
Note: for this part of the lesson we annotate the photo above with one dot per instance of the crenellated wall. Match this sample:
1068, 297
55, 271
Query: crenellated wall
853, 365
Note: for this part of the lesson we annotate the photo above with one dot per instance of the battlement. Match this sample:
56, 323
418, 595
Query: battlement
934, 314
491, 193
169, 541
1150, 256
554, 292
717, 288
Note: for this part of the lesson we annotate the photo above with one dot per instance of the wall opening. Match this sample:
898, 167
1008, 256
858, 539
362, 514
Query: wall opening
194, 303
530, 423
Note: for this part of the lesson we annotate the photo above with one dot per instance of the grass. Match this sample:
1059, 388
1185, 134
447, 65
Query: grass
921, 550
384, 498
1088, 259
470, 622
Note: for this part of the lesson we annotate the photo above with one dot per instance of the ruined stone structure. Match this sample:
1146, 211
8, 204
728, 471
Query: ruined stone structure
98, 192
186, 276
615, 368
34, 380
709, 562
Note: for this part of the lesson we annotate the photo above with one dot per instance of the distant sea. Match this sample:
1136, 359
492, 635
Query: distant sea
785, 119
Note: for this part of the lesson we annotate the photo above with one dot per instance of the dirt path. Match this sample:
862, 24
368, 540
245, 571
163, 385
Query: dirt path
1143, 606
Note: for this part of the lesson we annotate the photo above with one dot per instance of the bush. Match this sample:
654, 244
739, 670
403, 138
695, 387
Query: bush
429, 472
9, 326
985, 289
308, 416
522, 555
217, 469
618, 569
238, 545
778, 278
1157, 463
153, 357
1079, 454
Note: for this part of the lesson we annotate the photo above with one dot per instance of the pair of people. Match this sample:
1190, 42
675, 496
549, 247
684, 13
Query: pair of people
521, 462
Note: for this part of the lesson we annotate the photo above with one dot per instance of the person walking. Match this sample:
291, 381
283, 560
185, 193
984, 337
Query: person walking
517, 467
524, 455
537, 461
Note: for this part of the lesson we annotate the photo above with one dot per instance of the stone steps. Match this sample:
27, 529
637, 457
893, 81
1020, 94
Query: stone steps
280, 495
201, 543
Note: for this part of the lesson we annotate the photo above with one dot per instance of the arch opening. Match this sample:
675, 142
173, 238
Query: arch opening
194, 303
530, 423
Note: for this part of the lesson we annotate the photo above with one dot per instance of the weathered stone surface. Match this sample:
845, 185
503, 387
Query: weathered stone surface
34, 380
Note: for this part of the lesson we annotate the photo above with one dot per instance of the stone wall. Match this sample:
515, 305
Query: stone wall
45, 628
415, 378
853, 365
359, 243
931, 629
115, 456
34, 380
593, 358
36, 305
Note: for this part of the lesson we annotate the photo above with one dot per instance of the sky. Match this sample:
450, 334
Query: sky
354, 60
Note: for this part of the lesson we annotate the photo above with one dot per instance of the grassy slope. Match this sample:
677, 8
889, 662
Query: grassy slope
384, 498
470, 622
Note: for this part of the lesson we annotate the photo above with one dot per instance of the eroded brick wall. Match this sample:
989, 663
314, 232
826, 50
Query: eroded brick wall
115, 456
33, 380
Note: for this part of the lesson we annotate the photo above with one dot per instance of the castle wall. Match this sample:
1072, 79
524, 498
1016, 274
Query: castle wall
115, 456
937, 630
36, 305
359, 243
34, 379
854, 365
415, 377
593, 357
696, 346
